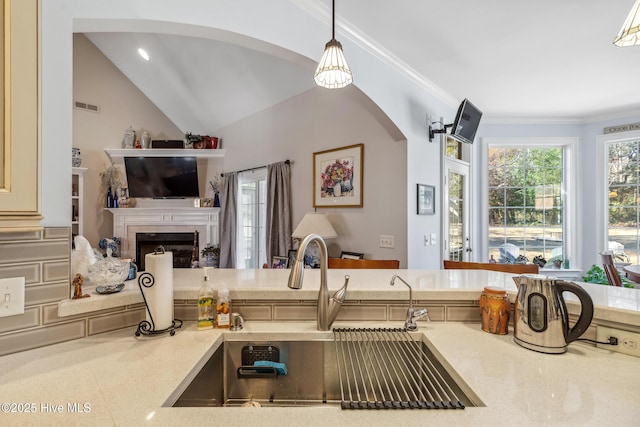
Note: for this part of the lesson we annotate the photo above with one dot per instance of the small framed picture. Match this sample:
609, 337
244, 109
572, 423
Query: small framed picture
206, 203
280, 262
292, 256
426, 199
351, 255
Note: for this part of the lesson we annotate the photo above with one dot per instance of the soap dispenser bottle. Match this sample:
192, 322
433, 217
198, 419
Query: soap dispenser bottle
205, 304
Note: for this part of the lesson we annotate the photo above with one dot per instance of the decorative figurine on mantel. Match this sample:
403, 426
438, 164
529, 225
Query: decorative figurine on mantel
129, 138
77, 287
216, 185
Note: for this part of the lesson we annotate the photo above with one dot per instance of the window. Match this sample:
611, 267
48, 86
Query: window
528, 199
623, 200
252, 214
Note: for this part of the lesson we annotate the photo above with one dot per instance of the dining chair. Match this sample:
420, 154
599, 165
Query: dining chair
610, 269
364, 263
506, 268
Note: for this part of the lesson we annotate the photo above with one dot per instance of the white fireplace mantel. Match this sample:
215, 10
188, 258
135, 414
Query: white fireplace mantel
129, 221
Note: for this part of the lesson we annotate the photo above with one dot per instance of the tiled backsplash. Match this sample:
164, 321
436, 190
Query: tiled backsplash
43, 259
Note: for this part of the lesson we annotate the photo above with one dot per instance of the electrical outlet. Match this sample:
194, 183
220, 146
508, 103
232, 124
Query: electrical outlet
387, 241
11, 296
628, 342
427, 242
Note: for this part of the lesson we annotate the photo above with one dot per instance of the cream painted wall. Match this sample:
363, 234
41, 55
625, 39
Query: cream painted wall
292, 130
97, 81
318, 120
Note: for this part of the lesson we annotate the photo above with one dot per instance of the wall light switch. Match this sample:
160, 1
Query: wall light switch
434, 240
11, 296
427, 242
387, 241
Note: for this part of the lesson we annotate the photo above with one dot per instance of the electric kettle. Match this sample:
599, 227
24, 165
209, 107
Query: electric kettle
541, 320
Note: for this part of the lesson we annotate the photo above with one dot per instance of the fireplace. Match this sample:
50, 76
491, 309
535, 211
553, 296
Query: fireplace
163, 221
181, 244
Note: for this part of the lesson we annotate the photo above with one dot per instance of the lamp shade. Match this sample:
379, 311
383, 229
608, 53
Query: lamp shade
629, 34
314, 223
333, 72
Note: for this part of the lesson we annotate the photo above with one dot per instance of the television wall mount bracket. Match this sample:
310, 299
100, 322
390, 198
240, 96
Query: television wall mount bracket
432, 131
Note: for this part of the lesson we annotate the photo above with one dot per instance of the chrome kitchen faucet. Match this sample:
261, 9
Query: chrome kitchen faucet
412, 314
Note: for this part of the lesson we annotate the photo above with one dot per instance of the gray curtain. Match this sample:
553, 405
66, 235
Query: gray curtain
278, 226
228, 221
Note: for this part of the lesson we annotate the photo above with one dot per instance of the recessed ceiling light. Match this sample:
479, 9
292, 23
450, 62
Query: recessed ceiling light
144, 54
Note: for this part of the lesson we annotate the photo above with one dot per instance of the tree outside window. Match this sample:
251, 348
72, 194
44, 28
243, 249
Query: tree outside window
623, 201
525, 202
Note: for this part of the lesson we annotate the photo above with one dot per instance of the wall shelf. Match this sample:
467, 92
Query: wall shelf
118, 154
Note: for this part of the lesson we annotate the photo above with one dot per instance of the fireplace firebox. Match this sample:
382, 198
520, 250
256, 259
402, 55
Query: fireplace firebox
181, 244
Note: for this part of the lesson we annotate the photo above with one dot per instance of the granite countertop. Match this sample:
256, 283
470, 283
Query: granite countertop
118, 379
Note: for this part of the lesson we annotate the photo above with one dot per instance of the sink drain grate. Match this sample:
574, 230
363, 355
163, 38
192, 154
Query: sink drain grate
386, 369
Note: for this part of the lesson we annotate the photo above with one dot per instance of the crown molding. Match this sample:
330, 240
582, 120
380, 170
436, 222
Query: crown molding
365, 42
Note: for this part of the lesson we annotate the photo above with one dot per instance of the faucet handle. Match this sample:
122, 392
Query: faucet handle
413, 315
420, 313
341, 293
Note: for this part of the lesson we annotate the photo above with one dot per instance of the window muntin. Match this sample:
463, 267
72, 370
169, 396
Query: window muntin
525, 202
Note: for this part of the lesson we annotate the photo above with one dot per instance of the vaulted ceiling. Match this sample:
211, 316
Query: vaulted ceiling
514, 59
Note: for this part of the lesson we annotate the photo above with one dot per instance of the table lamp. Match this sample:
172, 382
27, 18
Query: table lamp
314, 223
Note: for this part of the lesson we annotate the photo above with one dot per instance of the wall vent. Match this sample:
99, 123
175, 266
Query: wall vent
87, 107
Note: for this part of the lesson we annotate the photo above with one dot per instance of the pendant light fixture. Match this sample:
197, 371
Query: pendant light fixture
333, 71
629, 34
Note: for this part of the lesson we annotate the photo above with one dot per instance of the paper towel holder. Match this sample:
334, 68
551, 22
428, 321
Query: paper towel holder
146, 280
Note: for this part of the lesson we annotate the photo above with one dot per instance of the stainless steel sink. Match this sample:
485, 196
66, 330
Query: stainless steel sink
318, 373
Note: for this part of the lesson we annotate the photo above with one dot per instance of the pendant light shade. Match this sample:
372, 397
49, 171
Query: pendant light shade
333, 71
629, 34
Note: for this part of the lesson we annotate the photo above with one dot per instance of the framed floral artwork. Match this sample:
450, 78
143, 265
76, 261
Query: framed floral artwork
338, 177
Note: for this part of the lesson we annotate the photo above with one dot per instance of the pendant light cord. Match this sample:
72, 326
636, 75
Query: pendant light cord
333, 19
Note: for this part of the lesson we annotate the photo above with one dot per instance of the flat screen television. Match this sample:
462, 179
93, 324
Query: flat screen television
162, 177
466, 123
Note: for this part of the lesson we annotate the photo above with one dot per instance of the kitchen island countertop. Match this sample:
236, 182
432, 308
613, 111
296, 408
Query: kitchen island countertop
117, 379
612, 304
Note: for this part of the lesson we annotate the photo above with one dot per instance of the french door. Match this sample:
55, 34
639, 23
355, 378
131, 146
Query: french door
456, 215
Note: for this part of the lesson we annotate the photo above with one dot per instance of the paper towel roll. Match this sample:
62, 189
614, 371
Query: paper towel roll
160, 295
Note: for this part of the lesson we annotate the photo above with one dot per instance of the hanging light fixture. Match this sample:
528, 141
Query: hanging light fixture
629, 34
333, 71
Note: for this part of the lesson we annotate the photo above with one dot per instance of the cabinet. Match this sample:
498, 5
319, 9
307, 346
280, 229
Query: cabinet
77, 195
19, 147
